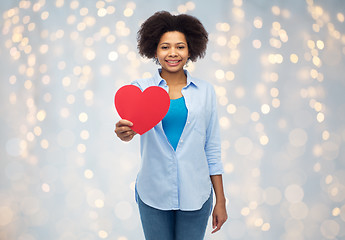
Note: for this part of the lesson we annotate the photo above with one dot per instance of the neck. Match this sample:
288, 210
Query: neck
175, 78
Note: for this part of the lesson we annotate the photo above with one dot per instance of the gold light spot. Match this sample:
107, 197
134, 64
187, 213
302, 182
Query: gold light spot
66, 81
228, 167
128, 12
83, 11
265, 108
44, 15
81, 148
276, 10
81, 26
231, 108
88, 174
77, 70
74, 4
83, 117
317, 150
336, 212
293, 58
320, 44
320, 117
318, 106
221, 41
89, 54
276, 26
264, 140
102, 234
258, 22
45, 187
101, 12
275, 102
274, 77
64, 113
311, 44
84, 134
274, 92
44, 143
37, 131
316, 27
329, 179
275, 58
245, 211
325, 135
258, 222
70, 99
219, 74
59, 3
190, 5
313, 73
224, 122
99, 203
123, 49
275, 43
316, 61
238, 13
240, 92
265, 227
71, 19
41, 115
13, 98
317, 167
255, 116
340, 17
223, 27
256, 43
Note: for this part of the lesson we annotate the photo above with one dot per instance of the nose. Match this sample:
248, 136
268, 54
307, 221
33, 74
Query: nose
172, 52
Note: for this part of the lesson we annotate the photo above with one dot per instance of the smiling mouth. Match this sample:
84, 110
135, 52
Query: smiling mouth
173, 61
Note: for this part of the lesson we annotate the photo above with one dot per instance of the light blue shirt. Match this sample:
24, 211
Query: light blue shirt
172, 180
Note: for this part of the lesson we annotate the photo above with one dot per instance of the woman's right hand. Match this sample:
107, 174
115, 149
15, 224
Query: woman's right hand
123, 130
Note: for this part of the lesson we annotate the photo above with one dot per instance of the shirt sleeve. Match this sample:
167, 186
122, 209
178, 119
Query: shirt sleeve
213, 142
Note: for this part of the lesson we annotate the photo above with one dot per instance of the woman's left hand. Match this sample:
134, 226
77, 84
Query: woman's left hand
219, 216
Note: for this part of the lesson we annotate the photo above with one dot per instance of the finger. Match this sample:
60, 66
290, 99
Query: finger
214, 222
122, 130
128, 135
124, 122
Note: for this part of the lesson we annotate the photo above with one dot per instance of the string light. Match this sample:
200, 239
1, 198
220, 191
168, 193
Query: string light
279, 91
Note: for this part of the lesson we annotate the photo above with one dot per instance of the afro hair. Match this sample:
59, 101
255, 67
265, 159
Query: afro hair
161, 22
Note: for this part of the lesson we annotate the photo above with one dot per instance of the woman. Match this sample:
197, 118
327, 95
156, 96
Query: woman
181, 154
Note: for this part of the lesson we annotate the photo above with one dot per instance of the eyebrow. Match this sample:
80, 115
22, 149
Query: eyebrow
176, 43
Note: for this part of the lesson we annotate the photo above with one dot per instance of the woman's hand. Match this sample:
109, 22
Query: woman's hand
219, 216
123, 130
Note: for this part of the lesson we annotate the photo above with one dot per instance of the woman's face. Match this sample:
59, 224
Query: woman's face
172, 51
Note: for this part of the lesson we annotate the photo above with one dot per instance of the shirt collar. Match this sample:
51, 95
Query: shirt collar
159, 80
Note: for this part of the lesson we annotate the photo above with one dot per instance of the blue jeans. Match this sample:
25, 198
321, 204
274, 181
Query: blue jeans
174, 224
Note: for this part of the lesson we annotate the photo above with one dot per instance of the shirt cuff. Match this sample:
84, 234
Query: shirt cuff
216, 169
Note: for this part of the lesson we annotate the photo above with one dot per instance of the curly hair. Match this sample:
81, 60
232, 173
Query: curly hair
161, 22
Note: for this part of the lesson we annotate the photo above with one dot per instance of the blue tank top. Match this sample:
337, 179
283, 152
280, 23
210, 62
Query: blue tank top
174, 121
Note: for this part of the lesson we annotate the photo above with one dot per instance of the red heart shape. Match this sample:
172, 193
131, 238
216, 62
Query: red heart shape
144, 109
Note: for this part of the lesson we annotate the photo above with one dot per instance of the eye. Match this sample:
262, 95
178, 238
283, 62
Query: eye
181, 47
164, 47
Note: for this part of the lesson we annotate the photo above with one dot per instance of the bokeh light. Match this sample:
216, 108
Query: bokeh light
277, 69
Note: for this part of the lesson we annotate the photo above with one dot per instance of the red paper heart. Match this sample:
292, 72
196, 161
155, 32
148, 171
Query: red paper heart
143, 109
